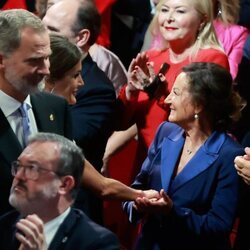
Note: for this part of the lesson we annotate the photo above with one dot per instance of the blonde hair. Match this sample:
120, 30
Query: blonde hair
206, 37
229, 10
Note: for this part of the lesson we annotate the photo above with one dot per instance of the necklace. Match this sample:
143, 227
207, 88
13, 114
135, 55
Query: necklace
189, 152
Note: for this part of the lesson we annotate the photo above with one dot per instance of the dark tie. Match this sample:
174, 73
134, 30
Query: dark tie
25, 122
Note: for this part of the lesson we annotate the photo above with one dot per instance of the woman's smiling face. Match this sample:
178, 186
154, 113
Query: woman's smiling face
69, 84
179, 20
182, 108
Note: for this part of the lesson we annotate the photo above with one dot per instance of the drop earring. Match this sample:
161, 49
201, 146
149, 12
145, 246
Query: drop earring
196, 116
219, 12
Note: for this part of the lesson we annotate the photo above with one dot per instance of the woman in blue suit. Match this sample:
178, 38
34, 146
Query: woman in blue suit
191, 164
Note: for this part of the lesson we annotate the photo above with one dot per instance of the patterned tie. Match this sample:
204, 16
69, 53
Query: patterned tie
23, 109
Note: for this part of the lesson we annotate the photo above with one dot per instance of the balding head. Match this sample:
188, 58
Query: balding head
78, 20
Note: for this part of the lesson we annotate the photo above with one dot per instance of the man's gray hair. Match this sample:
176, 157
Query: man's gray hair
12, 22
71, 158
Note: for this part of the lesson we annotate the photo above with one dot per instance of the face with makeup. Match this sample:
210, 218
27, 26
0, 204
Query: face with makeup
182, 108
68, 85
179, 21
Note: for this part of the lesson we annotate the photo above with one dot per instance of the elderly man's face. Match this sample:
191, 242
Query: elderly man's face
60, 18
29, 195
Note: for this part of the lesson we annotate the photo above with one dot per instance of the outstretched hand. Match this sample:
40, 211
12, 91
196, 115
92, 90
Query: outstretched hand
30, 232
162, 205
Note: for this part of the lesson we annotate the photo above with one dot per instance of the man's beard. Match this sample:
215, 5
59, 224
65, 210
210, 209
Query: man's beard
26, 204
23, 86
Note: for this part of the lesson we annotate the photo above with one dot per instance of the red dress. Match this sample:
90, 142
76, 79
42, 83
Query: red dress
14, 4
104, 8
148, 114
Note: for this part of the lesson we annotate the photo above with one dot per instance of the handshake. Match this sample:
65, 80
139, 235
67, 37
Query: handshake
153, 202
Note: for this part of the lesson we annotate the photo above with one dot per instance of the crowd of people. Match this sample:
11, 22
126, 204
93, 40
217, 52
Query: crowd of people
68, 104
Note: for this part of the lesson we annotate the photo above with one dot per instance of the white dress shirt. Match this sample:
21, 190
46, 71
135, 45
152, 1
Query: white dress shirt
10, 107
51, 227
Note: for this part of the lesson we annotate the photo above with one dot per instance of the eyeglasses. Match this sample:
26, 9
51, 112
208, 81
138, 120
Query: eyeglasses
31, 172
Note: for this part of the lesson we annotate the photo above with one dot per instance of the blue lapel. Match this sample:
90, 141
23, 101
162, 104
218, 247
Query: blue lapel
204, 158
171, 149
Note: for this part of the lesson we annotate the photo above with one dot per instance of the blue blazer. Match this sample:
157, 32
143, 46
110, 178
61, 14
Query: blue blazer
76, 232
204, 193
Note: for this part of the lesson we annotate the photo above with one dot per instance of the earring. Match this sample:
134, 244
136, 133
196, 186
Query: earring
196, 116
219, 12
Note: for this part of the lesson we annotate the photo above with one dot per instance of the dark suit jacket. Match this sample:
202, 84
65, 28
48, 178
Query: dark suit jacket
76, 232
51, 114
204, 193
92, 115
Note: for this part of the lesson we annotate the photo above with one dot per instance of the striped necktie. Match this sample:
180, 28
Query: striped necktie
23, 109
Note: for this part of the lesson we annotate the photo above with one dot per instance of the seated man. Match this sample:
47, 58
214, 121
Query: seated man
47, 176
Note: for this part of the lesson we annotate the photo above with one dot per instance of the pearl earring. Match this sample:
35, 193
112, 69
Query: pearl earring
196, 116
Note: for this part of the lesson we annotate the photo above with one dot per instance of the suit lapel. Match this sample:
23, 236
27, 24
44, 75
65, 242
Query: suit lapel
87, 63
65, 230
44, 115
10, 147
202, 160
171, 148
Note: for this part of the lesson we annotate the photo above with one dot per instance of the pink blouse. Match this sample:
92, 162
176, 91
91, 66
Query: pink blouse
232, 38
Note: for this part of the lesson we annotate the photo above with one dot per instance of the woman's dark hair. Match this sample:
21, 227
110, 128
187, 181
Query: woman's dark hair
211, 86
65, 55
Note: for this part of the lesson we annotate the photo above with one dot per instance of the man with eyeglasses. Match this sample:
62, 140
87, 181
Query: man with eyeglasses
47, 176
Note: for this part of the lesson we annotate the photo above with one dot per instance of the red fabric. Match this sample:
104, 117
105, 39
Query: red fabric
103, 5
234, 232
104, 8
121, 167
15, 4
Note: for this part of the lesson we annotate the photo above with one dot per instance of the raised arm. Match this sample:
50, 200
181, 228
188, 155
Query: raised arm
116, 142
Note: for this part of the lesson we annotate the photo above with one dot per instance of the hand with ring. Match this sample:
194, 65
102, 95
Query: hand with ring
140, 74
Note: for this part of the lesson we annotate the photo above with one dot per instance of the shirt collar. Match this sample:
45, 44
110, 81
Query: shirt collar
51, 227
9, 105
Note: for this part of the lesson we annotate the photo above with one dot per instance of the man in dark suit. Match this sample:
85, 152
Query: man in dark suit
24, 51
47, 176
93, 114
